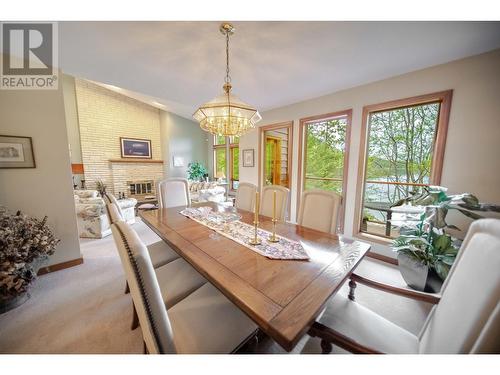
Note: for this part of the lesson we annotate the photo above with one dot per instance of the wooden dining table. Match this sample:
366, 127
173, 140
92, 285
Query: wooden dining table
283, 297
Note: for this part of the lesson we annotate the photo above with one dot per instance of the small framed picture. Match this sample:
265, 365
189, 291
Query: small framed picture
178, 161
248, 158
16, 152
136, 148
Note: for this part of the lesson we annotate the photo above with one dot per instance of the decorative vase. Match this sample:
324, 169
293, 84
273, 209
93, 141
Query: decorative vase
418, 276
8, 304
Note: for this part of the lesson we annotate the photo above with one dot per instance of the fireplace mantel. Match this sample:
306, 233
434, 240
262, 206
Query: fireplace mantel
149, 161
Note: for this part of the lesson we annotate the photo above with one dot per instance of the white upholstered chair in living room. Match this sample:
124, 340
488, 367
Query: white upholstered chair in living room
173, 192
319, 209
204, 321
266, 201
245, 196
465, 319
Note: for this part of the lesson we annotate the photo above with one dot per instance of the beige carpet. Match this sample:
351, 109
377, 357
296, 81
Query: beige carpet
84, 310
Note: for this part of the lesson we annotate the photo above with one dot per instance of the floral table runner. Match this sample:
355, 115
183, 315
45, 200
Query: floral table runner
228, 225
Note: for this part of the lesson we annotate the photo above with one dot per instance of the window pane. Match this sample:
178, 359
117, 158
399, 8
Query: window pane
325, 148
276, 158
219, 140
400, 145
220, 161
235, 173
235, 139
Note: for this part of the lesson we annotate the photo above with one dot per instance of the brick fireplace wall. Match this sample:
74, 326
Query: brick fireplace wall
104, 116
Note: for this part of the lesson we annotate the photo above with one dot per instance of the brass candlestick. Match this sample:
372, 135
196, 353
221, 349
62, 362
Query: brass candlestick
273, 237
256, 240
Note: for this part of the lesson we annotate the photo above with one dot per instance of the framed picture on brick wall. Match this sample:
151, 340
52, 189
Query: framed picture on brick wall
136, 148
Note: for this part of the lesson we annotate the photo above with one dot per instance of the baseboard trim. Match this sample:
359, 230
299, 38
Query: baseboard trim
60, 266
382, 258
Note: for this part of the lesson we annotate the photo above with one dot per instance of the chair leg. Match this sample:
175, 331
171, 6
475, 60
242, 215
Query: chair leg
326, 347
135, 318
352, 288
145, 348
127, 289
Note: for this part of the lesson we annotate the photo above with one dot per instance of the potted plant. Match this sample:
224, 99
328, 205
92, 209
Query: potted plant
25, 243
196, 171
425, 250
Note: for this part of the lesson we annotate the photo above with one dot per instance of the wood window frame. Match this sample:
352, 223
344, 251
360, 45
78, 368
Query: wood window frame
230, 161
347, 113
442, 97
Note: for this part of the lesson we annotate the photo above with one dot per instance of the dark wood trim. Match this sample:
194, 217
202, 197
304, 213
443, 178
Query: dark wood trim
383, 258
403, 292
347, 113
60, 266
132, 160
442, 97
328, 337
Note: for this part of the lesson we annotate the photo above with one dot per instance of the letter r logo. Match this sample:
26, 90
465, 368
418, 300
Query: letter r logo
27, 48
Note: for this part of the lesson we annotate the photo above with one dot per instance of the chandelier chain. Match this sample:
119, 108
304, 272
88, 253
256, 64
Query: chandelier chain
228, 77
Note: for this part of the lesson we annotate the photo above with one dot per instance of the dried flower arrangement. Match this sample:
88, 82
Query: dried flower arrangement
24, 243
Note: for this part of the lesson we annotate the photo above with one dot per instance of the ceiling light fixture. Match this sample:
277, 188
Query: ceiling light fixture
226, 114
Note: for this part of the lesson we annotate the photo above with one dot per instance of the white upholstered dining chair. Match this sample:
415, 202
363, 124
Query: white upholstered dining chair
245, 196
173, 192
319, 209
266, 205
202, 322
465, 319
159, 251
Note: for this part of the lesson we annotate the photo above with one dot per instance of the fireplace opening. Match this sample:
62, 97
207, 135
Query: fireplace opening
141, 189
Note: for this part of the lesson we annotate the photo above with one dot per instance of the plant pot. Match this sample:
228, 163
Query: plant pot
8, 304
417, 275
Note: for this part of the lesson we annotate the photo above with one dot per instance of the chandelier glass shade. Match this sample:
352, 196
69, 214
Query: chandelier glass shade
226, 114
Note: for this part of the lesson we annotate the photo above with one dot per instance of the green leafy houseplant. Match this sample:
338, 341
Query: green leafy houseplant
423, 236
196, 171
25, 243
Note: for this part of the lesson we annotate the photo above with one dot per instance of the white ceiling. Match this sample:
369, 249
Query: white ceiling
182, 64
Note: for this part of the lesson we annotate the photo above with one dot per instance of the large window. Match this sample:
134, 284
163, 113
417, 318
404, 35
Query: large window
220, 161
324, 151
403, 153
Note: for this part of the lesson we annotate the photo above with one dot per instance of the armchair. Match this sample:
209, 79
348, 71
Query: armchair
92, 219
465, 318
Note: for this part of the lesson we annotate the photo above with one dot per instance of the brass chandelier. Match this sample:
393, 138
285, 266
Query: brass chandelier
226, 114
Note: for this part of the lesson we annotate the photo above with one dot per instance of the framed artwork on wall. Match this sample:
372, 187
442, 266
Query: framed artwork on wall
16, 152
136, 148
248, 158
178, 161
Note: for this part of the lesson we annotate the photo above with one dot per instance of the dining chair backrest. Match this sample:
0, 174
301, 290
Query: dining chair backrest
110, 198
114, 214
153, 318
319, 209
467, 318
266, 205
173, 192
245, 196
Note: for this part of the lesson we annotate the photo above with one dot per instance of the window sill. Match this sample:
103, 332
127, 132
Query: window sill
373, 238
